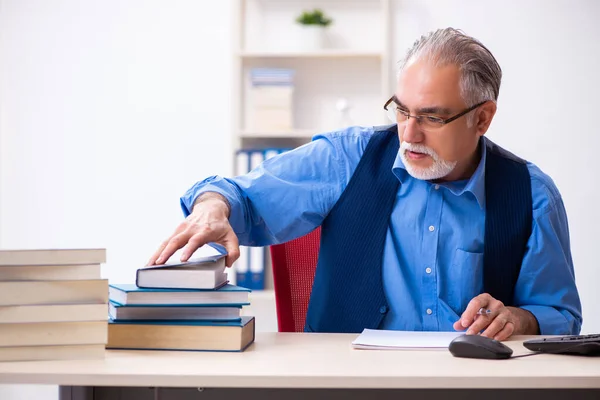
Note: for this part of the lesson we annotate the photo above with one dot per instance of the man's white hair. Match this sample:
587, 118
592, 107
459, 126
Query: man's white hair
480, 72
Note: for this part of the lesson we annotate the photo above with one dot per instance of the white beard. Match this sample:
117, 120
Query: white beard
438, 169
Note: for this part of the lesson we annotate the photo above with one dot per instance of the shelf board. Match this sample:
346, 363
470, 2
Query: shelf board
312, 54
297, 133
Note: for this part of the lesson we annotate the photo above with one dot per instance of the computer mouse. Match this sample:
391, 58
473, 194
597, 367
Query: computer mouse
477, 346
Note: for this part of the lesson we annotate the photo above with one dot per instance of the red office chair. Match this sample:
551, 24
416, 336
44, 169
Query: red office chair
294, 265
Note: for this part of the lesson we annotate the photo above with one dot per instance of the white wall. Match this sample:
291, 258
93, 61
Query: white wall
550, 55
109, 111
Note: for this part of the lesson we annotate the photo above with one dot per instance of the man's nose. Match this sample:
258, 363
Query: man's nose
412, 131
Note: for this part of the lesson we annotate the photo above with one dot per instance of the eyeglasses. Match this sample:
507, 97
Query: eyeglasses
426, 122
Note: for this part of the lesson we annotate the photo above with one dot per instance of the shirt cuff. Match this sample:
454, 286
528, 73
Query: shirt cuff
225, 189
551, 321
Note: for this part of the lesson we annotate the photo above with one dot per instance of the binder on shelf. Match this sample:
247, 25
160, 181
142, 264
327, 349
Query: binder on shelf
240, 268
257, 254
250, 267
270, 153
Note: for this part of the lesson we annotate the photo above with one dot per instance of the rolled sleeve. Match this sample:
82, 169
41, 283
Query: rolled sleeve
225, 187
290, 194
546, 286
553, 322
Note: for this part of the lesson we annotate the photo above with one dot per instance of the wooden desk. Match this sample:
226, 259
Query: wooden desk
305, 362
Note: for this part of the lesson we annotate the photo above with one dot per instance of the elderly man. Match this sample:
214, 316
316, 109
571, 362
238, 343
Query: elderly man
425, 223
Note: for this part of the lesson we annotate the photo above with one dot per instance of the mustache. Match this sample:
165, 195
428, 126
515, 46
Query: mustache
419, 148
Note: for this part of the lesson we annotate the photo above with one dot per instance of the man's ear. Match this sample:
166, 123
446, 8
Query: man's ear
484, 117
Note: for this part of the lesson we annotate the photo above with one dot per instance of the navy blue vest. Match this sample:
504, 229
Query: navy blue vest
348, 294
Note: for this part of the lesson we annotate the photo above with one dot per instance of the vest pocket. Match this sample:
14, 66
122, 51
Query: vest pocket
465, 279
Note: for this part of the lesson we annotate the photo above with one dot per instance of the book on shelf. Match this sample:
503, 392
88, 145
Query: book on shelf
120, 312
93, 291
270, 99
130, 294
52, 256
182, 335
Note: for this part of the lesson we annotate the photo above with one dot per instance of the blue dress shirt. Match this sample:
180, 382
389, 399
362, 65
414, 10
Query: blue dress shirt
433, 258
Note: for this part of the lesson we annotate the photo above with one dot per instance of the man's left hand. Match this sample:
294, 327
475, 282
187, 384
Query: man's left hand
500, 323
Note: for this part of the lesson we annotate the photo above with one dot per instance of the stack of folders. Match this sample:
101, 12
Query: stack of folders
181, 306
250, 266
270, 99
52, 304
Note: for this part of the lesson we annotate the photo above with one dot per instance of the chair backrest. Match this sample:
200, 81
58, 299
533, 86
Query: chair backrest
294, 266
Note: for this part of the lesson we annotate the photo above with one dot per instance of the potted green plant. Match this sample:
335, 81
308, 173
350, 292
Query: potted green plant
313, 24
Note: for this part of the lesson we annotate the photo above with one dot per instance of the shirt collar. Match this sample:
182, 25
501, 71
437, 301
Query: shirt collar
475, 184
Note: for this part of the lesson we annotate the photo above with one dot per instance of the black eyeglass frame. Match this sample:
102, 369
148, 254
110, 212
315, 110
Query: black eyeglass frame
441, 121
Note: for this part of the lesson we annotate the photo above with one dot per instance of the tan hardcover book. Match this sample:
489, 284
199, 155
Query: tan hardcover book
53, 313
53, 292
53, 333
47, 353
182, 335
49, 272
52, 256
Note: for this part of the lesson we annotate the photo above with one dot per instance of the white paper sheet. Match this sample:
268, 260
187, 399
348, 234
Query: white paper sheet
375, 339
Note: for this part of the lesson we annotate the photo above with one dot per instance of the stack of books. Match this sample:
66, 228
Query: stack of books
53, 304
270, 100
181, 306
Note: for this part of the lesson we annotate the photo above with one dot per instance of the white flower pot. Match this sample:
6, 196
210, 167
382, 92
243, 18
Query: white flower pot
311, 37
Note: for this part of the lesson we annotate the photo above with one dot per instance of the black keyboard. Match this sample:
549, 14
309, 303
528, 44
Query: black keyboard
586, 345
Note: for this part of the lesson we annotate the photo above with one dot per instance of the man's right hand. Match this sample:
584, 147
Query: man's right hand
208, 222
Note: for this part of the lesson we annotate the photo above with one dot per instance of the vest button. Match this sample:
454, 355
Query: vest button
383, 309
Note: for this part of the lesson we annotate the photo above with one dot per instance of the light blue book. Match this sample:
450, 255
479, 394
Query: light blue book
130, 294
152, 312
